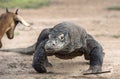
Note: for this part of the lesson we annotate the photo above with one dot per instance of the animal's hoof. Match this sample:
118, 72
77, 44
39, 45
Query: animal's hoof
39, 68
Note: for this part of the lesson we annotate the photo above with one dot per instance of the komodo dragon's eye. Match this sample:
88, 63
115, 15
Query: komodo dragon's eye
61, 37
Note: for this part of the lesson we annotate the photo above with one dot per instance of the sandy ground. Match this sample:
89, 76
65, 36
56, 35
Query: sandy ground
104, 25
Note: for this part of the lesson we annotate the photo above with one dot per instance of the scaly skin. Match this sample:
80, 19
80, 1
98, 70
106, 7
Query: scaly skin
48, 44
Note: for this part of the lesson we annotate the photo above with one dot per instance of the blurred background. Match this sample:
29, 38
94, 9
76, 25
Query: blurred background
23, 3
101, 19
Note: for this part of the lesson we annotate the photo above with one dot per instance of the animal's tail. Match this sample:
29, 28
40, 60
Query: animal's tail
28, 51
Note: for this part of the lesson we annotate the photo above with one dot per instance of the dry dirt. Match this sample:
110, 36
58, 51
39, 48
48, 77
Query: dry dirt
104, 25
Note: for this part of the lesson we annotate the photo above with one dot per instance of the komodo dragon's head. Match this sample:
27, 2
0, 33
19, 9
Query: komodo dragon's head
57, 41
66, 37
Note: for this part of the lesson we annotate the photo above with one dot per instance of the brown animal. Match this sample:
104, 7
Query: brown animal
8, 22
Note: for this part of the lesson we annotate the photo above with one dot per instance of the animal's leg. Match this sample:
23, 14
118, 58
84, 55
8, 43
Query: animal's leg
43, 36
40, 58
0, 44
10, 33
96, 60
1, 35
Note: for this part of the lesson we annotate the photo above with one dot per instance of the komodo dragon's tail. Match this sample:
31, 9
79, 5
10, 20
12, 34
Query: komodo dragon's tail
28, 51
